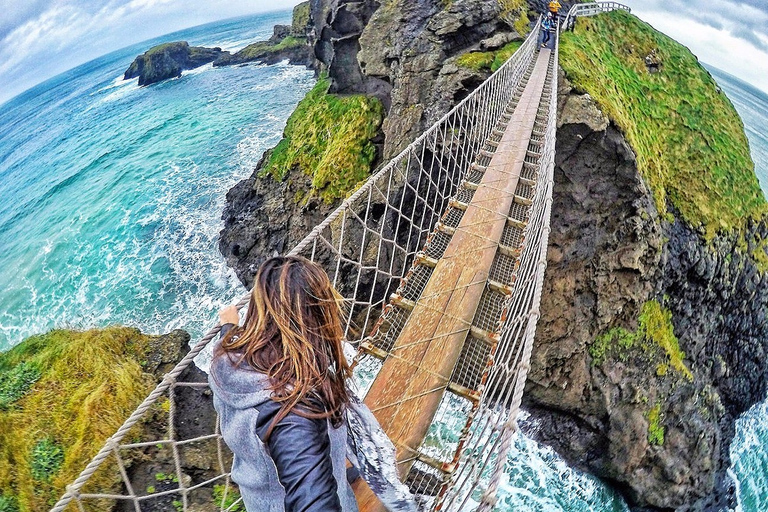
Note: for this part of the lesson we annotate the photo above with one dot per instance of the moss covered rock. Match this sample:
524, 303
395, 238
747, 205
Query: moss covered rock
76, 389
330, 139
688, 139
654, 311
168, 60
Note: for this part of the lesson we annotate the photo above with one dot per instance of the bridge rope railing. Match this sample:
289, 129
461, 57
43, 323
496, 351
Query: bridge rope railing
482, 463
590, 9
367, 245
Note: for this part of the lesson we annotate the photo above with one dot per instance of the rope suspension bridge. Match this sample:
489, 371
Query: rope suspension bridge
440, 257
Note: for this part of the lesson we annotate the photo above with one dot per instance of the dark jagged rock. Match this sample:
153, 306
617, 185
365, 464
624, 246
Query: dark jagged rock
610, 252
168, 60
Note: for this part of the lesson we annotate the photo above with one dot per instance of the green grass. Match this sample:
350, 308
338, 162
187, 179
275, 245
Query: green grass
690, 143
488, 61
654, 330
617, 342
329, 138
476, 61
501, 56
655, 428
46, 459
89, 383
8, 504
655, 325
300, 18
161, 48
225, 502
515, 13
263, 48
16, 381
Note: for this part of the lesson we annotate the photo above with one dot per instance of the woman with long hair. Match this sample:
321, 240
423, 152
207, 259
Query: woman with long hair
280, 388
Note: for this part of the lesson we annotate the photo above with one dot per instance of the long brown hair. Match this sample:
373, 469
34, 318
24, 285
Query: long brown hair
293, 334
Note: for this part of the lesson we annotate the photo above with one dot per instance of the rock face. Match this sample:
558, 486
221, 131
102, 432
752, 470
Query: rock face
168, 61
418, 58
412, 70
610, 254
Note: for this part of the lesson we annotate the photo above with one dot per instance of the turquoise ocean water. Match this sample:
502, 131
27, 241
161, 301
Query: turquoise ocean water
112, 203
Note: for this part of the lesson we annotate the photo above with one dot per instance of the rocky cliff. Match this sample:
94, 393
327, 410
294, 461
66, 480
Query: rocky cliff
654, 308
405, 55
653, 321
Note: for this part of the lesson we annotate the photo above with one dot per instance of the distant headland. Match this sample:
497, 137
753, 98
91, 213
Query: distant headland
168, 60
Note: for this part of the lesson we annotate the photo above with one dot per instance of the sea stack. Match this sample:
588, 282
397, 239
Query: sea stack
168, 60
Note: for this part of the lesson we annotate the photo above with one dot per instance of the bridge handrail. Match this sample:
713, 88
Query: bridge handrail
591, 9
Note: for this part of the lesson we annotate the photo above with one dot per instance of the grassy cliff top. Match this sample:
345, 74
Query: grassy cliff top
690, 142
329, 138
300, 20
62, 394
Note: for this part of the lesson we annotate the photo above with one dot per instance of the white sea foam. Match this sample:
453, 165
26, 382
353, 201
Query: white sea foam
118, 81
119, 91
198, 70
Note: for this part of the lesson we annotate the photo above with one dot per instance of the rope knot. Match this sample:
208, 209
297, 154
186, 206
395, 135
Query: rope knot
73, 491
511, 424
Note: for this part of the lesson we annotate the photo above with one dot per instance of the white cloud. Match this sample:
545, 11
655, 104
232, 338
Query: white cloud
42, 38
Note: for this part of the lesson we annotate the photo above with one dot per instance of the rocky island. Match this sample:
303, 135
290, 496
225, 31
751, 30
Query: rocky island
168, 60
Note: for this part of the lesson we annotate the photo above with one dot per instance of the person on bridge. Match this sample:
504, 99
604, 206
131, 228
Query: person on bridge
554, 7
546, 26
279, 385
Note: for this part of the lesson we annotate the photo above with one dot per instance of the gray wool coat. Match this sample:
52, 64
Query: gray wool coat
238, 389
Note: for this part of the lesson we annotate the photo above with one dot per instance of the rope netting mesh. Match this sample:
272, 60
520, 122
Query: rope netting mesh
170, 456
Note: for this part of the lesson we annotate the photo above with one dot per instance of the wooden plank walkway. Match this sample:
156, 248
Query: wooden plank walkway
407, 391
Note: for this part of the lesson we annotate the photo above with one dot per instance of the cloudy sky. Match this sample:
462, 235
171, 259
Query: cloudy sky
731, 35
42, 38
